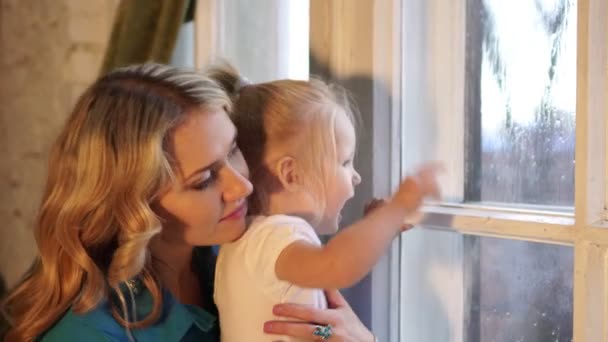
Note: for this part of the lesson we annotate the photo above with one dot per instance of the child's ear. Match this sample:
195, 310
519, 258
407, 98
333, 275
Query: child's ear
286, 171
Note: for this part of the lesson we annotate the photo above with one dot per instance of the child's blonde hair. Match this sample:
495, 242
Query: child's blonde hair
298, 115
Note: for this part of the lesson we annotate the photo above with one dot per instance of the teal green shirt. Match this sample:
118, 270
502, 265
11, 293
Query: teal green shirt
177, 322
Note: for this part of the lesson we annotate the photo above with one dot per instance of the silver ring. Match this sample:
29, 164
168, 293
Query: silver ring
323, 331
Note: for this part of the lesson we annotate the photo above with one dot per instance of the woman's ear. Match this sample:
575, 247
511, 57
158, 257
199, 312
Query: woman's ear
287, 173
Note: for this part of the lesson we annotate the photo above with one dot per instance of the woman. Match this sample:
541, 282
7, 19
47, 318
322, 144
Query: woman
143, 179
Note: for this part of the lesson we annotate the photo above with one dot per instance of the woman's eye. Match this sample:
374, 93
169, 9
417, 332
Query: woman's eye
212, 176
207, 182
235, 150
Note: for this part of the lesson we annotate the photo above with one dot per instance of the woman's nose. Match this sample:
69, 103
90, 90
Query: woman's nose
237, 186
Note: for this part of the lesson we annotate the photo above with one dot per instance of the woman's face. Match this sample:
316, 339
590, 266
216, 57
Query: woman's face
206, 204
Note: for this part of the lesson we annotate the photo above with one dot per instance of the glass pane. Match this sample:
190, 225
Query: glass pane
476, 289
527, 77
489, 88
517, 291
183, 53
266, 39
432, 293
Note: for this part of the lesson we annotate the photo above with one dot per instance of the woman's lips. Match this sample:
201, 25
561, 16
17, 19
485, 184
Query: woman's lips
238, 213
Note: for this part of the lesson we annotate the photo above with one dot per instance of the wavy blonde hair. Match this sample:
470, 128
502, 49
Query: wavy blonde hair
299, 114
106, 167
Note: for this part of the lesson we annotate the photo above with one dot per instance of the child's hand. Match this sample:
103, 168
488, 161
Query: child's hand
372, 205
377, 203
415, 188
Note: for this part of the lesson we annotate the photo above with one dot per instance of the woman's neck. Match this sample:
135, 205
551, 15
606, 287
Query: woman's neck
173, 265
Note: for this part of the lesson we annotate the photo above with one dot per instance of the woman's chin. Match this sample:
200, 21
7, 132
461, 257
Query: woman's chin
230, 231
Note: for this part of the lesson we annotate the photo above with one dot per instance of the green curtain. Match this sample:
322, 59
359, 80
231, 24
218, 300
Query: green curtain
145, 30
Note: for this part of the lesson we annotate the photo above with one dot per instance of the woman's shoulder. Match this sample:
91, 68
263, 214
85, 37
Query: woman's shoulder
94, 326
177, 322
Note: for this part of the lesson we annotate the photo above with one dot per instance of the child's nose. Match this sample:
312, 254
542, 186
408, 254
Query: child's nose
356, 179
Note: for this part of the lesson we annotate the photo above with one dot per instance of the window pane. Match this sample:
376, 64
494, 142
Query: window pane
433, 90
432, 293
476, 289
183, 53
266, 39
489, 89
525, 63
517, 291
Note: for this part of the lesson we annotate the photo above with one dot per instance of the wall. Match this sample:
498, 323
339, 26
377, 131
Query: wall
50, 50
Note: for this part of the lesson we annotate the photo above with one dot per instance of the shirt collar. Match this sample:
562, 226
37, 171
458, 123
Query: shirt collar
175, 321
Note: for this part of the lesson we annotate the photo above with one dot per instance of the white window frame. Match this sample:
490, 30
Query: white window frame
354, 43
585, 229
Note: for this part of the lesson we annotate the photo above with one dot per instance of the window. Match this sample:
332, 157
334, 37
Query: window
493, 89
521, 61
512, 97
517, 290
265, 39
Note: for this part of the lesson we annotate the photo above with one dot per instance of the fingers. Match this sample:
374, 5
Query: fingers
304, 313
406, 227
434, 166
377, 203
373, 205
294, 329
427, 177
430, 185
410, 193
335, 300
423, 184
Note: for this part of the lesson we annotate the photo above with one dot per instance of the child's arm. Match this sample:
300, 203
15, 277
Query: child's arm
352, 253
347, 258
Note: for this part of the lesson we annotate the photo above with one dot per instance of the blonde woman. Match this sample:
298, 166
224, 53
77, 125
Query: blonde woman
143, 179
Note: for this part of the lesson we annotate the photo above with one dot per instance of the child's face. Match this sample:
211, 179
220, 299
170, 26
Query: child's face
341, 183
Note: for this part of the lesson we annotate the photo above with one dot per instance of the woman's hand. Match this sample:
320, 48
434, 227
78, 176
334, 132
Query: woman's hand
345, 325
